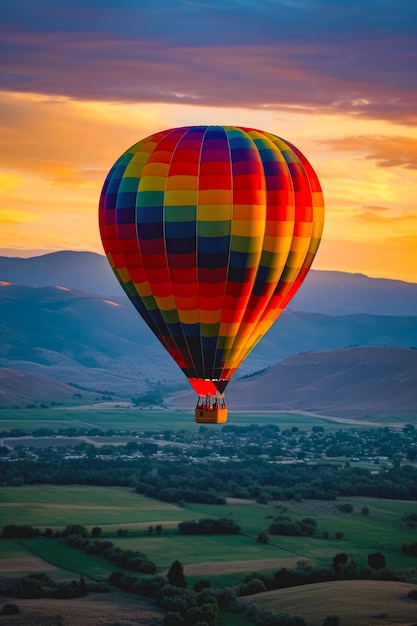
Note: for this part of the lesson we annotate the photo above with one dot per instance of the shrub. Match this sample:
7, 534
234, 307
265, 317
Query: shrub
201, 584
262, 537
173, 619
10, 609
346, 507
74, 529
254, 585
11, 531
29, 587
209, 526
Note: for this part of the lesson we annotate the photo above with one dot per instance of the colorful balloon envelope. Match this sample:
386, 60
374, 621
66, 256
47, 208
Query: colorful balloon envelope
210, 231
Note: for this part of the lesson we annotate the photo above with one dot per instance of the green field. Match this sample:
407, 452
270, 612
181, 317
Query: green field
155, 419
57, 506
112, 508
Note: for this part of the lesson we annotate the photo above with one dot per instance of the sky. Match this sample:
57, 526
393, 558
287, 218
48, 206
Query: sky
82, 80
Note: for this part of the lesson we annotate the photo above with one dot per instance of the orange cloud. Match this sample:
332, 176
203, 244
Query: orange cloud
61, 173
396, 151
10, 216
391, 221
65, 142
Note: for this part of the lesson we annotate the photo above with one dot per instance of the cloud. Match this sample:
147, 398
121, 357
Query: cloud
9, 217
65, 143
393, 222
355, 57
395, 151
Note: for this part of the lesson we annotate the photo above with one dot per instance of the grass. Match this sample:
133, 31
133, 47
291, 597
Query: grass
358, 603
70, 559
56, 506
200, 548
113, 507
149, 419
12, 549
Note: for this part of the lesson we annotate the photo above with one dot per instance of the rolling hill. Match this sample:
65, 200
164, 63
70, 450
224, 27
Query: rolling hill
375, 602
347, 382
20, 389
357, 381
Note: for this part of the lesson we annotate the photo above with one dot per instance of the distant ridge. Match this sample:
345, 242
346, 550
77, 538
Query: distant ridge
331, 292
82, 271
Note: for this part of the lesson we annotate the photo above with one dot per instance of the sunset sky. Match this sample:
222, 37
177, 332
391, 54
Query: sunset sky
82, 80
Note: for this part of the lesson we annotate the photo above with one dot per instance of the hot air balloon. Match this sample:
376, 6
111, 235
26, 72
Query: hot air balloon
210, 231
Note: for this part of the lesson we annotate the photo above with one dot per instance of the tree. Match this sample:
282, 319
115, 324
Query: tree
254, 585
158, 529
75, 529
205, 614
202, 584
83, 587
96, 532
376, 560
365, 510
173, 618
339, 560
331, 620
262, 537
339, 535
176, 575
346, 507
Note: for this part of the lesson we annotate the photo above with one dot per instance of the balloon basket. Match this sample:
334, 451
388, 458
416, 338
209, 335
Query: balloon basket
211, 410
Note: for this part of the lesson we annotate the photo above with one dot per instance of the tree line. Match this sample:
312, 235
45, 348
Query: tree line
182, 480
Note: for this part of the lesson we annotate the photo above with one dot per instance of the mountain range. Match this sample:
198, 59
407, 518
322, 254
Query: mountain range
55, 324
331, 292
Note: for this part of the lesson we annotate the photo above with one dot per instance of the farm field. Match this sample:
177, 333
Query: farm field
360, 603
110, 417
99, 609
111, 508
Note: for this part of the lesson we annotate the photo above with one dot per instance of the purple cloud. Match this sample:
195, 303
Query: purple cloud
353, 57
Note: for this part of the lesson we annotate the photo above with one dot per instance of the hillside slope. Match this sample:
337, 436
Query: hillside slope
346, 382
350, 381
20, 389
371, 599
